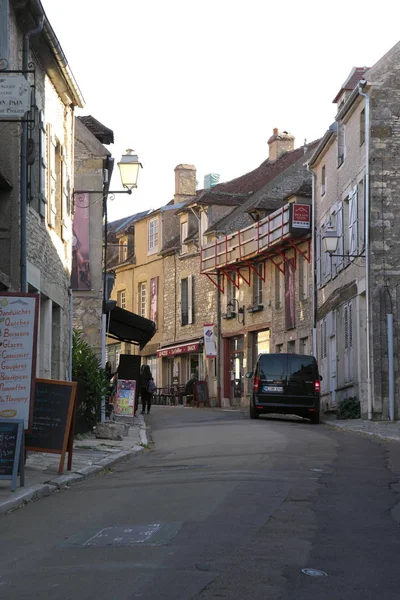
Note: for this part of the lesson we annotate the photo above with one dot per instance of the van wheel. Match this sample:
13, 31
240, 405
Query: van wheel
254, 414
314, 419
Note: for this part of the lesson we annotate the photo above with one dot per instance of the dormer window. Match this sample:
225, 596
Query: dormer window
123, 250
341, 144
152, 244
203, 227
323, 180
184, 234
362, 127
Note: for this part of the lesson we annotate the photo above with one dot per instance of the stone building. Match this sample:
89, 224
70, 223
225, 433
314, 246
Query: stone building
93, 169
356, 199
259, 258
27, 38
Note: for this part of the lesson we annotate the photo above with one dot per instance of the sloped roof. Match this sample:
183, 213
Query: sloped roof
120, 225
281, 178
356, 74
100, 131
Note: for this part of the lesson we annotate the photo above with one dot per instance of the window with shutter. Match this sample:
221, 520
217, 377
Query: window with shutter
184, 302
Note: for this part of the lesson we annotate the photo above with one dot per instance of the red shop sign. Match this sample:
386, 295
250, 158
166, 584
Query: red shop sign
182, 349
301, 216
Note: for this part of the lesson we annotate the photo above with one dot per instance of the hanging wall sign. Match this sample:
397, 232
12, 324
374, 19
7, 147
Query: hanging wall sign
18, 342
15, 96
209, 341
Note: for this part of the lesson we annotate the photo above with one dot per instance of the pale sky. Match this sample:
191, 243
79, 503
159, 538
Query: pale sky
205, 82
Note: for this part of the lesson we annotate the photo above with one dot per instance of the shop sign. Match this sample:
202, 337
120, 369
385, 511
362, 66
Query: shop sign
15, 96
175, 350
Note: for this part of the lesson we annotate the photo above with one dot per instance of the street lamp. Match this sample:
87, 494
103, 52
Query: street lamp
129, 170
330, 240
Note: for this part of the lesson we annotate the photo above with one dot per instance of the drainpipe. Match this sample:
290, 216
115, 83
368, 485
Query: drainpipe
24, 164
219, 343
314, 270
367, 246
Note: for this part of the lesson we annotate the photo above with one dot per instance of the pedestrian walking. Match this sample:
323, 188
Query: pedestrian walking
144, 383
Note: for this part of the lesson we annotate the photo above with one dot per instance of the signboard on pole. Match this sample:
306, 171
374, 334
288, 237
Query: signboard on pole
209, 341
15, 96
18, 343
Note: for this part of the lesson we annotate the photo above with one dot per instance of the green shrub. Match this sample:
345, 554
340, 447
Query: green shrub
91, 378
349, 408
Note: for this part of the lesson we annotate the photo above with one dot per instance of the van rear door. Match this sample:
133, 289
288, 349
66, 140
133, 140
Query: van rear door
302, 374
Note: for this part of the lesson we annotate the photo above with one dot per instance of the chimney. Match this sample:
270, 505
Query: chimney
279, 143
185, 183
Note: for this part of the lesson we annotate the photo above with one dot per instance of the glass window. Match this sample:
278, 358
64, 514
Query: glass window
323, 180
142, 300
153, 235
258, 285
121, 299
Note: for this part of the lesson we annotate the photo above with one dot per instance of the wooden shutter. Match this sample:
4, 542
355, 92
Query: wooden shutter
42, 166
64, 199
52, 176
318, 258
353, 223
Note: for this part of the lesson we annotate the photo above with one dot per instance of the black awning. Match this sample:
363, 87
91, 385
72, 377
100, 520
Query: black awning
126, 326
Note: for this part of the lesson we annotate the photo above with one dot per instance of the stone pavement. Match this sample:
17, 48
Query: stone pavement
90, 456
385, 430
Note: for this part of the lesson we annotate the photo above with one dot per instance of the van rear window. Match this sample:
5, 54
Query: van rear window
282, 366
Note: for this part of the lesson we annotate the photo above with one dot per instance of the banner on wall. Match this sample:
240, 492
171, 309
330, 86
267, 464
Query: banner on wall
153, 299
80, 276
210, 346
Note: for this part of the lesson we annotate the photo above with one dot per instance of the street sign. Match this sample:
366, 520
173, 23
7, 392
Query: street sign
15, 96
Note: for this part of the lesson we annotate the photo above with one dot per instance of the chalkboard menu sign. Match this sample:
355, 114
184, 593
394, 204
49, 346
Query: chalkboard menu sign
200, 393
11, 450
53, 415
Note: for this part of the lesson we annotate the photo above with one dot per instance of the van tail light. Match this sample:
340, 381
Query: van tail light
256, 384
317, 386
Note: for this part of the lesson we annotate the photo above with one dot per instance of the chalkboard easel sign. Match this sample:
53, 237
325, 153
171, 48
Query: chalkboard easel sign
12, 451
53, 419
200, 393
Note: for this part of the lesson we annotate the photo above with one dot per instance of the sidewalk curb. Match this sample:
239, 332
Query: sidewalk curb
372, 434
41, 490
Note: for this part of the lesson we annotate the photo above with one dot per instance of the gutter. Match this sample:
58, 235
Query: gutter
58, 53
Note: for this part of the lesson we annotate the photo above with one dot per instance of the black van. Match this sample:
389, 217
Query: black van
286, 384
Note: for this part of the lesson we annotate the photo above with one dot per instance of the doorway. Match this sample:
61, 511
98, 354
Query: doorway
332, 370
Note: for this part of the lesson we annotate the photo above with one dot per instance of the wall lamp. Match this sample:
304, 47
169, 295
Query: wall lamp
239, 310
330, 241
129, 166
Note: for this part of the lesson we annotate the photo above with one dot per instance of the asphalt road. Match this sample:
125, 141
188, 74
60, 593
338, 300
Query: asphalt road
224, 507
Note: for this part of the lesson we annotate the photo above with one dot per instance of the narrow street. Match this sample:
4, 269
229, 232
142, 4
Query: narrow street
223, 507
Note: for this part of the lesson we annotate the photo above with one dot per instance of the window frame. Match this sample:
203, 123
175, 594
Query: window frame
121, 298
152, 235
142, 299
323, 180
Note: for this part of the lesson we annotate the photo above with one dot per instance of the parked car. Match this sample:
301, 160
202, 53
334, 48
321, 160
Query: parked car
286, 384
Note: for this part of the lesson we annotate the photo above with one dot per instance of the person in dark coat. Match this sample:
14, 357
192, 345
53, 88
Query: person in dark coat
145, 377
